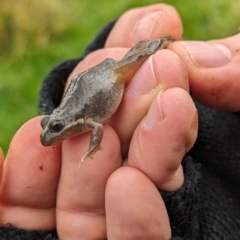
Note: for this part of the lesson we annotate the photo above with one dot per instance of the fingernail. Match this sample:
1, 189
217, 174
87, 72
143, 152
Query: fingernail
155, 115
208, 54
144, 80
144, 27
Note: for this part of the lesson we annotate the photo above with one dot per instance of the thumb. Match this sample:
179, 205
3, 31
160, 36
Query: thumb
213, 70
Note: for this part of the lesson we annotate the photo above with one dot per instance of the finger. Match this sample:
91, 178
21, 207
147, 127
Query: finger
163, 137
213, 70
1, 163
80, 205
134, 207
29, 181
152, 22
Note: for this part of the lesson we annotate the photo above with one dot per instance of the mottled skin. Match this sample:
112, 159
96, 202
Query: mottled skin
93, 97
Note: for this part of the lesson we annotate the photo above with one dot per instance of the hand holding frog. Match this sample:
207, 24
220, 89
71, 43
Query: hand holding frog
153, 127
93, 97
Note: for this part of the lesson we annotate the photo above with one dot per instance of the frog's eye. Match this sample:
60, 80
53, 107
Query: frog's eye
44, 121
56, 126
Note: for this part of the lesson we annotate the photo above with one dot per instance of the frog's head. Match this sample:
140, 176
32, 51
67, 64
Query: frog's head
56, 129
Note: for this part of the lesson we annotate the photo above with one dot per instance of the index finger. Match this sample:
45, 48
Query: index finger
151, 22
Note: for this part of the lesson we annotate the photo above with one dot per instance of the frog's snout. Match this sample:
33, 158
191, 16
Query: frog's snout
46, 138
43, 139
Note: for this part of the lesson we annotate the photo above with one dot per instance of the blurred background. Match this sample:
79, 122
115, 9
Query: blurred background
37, 35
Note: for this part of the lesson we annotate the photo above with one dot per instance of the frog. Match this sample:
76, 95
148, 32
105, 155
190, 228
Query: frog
94, 95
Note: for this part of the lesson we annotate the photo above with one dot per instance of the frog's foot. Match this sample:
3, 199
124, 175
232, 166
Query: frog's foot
89, 154
96, 138
148, 46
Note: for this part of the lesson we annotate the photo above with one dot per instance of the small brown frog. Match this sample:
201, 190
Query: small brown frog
94, 95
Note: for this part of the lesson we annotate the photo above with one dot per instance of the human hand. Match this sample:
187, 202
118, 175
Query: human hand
130, 190
44, 188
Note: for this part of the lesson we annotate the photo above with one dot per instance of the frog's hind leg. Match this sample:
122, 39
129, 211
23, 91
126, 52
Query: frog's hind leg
149, 46
141, 46
96, 138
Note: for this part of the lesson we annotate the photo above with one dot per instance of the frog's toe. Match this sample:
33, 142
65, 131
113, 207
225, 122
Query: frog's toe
89, 154
85, 156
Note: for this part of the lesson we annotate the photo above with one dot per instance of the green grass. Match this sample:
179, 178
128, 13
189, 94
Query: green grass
36, 35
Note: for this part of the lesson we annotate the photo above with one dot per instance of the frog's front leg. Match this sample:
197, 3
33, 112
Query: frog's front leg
96, 138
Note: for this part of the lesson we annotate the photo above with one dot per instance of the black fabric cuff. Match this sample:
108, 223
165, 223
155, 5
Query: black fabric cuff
11, 233
183, 205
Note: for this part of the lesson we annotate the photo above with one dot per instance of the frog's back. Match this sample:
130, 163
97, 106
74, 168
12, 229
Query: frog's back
95, 93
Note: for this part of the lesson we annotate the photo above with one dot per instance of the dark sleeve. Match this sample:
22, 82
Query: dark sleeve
207, 206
